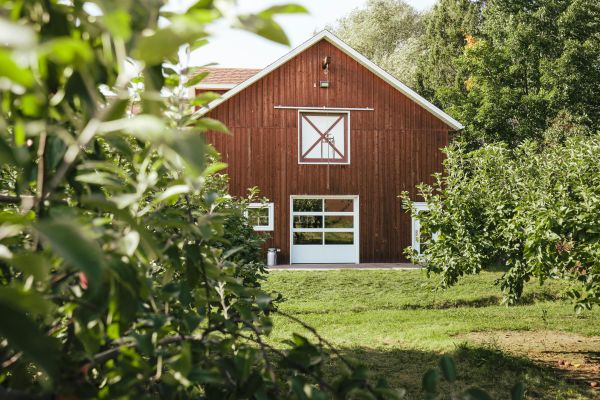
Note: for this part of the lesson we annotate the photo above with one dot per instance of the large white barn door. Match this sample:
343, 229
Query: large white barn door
324, 229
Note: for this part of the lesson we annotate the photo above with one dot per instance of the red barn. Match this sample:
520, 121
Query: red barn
331, 140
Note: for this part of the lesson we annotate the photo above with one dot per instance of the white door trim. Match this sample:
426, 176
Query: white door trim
324, 111
356, 221
416, 227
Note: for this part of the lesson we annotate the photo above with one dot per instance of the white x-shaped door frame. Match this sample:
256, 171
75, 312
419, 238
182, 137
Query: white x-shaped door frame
340, 155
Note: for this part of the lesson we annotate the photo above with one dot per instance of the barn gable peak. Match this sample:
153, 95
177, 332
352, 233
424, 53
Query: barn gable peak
348, 50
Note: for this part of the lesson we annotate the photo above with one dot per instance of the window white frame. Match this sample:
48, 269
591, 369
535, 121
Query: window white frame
324, 111
271, 208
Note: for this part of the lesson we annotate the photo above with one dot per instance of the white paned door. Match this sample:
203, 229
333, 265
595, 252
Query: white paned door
324, 229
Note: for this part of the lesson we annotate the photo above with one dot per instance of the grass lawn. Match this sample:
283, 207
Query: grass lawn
395, 323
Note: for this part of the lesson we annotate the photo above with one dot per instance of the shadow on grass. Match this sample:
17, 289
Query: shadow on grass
486, 367
479, 302
526, 299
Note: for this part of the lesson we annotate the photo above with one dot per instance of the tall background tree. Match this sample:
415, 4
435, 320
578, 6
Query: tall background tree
449, 25
507, 69
529, 63
388, 32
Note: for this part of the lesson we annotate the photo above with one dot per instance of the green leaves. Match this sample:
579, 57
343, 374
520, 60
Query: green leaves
283, 9
9, 69
27, 301
145, 127
476, 394
263, 24
209, 124
23, 334
196, 79
118, 23
76, 246
430, 381
164, 43
69, 51
534, 207
265, 27
190, 147
448, 368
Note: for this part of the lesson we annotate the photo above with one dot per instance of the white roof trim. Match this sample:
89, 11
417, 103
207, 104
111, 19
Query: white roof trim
216, 86
337, 42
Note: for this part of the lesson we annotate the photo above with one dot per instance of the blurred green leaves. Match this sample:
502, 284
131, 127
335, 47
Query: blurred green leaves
68, 50
10, 70
162, 44
264, 25
134, 273
118, 23
23, 333
76, 246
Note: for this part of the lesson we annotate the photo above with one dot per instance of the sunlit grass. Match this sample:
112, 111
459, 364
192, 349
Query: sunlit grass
397, 324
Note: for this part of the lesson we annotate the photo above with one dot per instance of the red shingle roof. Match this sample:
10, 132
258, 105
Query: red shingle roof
227, 76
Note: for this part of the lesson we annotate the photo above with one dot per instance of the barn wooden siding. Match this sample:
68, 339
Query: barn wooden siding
393, 147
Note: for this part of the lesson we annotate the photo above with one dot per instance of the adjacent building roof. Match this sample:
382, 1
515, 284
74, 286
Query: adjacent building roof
225, 78
337, 42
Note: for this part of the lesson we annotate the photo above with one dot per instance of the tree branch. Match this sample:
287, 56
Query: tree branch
9, 199
320, 338
318, 378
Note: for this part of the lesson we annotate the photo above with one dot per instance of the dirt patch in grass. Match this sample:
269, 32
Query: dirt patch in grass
575, 358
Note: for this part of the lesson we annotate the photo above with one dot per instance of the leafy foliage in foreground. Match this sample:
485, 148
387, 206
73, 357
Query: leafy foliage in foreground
533, 209
125, 268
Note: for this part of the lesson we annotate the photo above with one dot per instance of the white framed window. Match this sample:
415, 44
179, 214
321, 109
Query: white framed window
419, 241
323, 137
261, 216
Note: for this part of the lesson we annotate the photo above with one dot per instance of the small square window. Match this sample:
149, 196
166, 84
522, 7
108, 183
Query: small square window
323, 137
261, 216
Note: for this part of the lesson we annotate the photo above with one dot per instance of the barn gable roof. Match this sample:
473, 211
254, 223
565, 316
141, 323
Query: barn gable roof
225, 78
365, 62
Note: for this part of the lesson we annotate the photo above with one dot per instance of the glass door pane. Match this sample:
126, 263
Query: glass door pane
308, 238
339, 205
308, 205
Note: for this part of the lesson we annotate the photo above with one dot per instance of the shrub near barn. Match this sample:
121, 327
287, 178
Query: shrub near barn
533, 209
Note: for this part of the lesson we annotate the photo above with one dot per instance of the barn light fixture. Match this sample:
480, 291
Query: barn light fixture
326, 61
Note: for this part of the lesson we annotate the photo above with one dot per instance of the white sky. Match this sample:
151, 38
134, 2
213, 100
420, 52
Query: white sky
235, 48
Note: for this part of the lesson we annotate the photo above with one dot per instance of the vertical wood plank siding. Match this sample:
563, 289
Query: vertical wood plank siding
392, 148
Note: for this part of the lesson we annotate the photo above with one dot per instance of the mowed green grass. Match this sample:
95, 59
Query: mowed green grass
397, 324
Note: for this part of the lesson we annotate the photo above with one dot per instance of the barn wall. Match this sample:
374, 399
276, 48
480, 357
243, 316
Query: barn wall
392, 148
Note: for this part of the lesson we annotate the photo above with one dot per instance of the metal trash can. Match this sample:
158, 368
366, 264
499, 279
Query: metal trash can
272, 256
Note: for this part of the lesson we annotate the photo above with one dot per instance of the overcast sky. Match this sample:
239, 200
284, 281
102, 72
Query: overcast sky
234, 48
